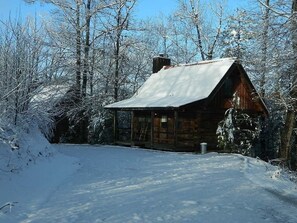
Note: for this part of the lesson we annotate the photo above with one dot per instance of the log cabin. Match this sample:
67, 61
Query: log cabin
179, 107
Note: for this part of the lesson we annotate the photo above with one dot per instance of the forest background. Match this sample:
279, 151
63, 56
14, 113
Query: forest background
101, 52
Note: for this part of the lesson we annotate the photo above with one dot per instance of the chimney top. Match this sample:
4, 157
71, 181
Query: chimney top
163, 55
160, 61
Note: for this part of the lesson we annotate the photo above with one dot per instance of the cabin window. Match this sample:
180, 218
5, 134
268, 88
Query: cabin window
228, 88
144, 120
164, 121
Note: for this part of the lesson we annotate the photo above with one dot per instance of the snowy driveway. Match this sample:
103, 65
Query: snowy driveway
114, 184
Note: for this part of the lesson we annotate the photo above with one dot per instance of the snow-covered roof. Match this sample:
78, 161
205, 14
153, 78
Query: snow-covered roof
48, 96
178, 86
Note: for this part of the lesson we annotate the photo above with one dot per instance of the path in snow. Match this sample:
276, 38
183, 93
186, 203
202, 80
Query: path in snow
117, 185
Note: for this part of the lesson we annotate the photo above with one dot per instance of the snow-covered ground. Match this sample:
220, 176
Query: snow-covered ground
115, 184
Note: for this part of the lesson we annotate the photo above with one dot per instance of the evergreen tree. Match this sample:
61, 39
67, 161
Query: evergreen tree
238, 132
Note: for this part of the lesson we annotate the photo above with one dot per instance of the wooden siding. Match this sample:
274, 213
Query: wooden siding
242, 96
192, 128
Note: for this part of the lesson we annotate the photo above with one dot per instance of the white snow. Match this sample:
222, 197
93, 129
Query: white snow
115, 184
177, 86
21, 147
51, 94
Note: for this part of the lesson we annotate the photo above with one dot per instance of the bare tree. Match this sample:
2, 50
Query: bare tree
205, 31
20, 55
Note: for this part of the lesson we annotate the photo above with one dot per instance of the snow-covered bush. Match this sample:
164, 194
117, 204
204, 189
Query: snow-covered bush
20, 148
237, 132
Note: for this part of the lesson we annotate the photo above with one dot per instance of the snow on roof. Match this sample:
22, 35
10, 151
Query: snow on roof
51, 94
179, 85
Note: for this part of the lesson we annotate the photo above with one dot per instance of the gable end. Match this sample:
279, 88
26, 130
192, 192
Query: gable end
236, 89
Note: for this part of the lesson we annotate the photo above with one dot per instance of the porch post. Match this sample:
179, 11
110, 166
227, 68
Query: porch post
132, 128
115, 126
175, 128
152, 128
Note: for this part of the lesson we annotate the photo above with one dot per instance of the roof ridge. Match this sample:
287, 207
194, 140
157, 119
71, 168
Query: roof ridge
199, 63
210, 61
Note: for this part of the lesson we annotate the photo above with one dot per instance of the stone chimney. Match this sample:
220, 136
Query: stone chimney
160, 61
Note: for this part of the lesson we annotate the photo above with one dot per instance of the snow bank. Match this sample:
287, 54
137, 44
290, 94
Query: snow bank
20, 148
277, 181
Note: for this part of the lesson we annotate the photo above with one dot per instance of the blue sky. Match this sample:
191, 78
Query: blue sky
144, 8
19, 7
151, 8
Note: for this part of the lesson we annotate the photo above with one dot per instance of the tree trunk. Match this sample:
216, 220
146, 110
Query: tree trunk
86, 50
292, 154
196, 24
78, 51
264, 49
117, 53
288, 135
84, 123
116, 72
